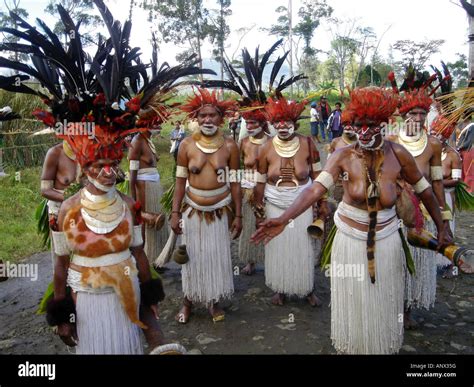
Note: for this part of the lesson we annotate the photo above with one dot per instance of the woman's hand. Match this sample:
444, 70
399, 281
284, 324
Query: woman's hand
67, 333
268, 230
176, 223
236, 228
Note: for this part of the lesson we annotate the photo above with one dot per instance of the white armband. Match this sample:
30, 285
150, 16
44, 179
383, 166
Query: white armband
134, 165
47, 184
446, 215
137, 238
325, 179
182, 172
436, 173
317, 166
421, 185
456, 174
260, 178
60, 244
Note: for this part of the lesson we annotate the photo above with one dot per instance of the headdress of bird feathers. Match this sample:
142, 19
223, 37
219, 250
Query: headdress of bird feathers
370, 104
84, 89
415, 91
156, 93
203, 97
78, 93
280, 109
250, 86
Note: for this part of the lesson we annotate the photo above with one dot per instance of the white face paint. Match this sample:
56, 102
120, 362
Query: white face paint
101, 187
209, 129
286, 133
254, 131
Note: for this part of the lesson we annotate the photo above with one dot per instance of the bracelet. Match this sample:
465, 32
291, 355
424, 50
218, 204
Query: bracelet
176, 212
239, 216
446, 215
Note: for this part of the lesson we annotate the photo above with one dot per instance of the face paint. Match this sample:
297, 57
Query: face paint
285, 131
209, 129
100, 187
255, 131
368, 136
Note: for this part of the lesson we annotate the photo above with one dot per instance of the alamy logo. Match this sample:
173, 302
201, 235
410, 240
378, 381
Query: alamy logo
37, 370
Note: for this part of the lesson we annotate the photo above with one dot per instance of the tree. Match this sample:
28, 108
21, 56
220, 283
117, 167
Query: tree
220, 31
310, 15
469, 8
7, 21
181, 21
417, 53
82, 10
459, 71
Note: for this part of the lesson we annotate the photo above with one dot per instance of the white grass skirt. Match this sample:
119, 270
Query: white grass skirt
249, 252
208, 275
290, 257
103, 327
367, 318
420, 289
154, 240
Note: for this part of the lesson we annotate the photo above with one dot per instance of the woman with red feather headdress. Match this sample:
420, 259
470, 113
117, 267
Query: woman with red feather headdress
415, 102
103, 287
286, 167
252, 108
366, 301
206, 198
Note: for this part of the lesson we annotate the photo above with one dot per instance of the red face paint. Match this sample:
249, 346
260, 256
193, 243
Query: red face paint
107, 169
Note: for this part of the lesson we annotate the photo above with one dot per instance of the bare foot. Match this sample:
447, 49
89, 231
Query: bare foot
278, 299
409, 322
249, 269
183, 315
314, 300
216, 313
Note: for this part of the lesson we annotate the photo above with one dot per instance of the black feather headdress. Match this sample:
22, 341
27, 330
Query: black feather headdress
157, 91
79, 89
250, 87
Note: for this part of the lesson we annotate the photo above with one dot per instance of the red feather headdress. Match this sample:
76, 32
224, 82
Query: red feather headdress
205, 98
443, 127
280, 109
372, 104
415, 99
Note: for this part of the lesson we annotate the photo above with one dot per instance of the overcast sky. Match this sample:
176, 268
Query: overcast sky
408, 19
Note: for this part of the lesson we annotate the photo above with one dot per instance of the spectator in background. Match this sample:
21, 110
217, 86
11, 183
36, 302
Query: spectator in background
234, 125
177, 135
324, 112
334, 123
314, 122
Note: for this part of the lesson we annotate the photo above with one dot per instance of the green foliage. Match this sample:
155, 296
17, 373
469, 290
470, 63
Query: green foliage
18, 203
7, 21
417, 53
459, 71
20, 150
83, 10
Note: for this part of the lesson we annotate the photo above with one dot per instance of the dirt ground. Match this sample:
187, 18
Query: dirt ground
252, 325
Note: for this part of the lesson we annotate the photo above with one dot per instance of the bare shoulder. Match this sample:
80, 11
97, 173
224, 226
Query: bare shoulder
452, 152
231, 144
343, 152
54, 151
71, 202
434, 142
187, 140
392, 138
